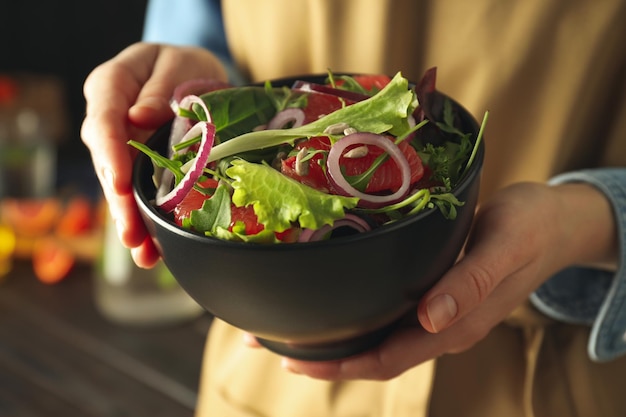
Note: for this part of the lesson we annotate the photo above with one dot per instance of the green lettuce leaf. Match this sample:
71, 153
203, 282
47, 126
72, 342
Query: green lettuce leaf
235, 111
264, 236
387, 111
279, 201
214, 218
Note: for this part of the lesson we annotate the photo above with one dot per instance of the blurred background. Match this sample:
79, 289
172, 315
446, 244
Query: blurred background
82, 330
49, 48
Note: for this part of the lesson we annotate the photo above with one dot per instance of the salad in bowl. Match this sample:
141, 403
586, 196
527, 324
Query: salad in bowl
312, 212
281, 165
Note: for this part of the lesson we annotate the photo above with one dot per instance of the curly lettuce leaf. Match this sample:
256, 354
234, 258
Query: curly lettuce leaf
279, 201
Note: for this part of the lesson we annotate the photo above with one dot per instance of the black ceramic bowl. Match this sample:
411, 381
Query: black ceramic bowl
316, 300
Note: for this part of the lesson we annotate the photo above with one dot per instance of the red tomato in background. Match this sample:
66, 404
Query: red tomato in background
52, 260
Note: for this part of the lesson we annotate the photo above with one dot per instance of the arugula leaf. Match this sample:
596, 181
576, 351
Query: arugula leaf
349, 84
215, 212
448, 161
387, 111
447, 204
215, 216
279, 201
418, 201
479, 139
284, 97
160, 161
448, 125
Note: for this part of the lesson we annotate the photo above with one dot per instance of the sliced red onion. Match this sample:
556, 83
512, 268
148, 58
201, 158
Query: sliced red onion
365, 138
291, 116
170, 200
182, 125
351, 220
164, 181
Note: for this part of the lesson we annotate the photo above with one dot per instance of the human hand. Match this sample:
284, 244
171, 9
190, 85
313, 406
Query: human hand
522, 236
128, 98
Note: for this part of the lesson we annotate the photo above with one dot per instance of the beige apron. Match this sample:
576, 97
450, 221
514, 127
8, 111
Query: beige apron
528, 367
552, 75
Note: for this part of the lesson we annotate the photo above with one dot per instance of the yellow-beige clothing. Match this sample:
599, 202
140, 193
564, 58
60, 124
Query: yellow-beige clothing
552, 75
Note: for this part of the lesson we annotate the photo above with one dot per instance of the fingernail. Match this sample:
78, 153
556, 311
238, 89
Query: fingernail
441, 310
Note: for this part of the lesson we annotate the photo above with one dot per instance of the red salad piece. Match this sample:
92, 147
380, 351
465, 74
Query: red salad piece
195, 199
247, 217
321, 104
192, 201
239, 215
371, 83
386, 177
316, 176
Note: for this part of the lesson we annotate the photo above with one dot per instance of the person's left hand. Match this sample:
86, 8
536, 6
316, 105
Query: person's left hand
526, 233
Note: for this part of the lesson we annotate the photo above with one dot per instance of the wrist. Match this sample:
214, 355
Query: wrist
587, 224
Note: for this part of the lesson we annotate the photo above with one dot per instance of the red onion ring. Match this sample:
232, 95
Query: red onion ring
165, 181
181, 125
170, 200
366, 138
351, 220
284, 117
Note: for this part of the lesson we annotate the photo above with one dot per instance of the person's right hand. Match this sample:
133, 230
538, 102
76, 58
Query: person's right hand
128, 98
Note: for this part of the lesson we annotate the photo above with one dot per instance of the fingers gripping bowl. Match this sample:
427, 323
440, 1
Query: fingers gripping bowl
315, 300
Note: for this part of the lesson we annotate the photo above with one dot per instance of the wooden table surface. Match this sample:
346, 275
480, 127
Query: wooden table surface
60, 357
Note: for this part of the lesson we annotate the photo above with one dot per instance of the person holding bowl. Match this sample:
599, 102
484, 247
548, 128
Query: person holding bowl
531, 319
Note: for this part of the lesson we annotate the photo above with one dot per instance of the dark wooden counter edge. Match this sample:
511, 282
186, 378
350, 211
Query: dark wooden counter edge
60, 357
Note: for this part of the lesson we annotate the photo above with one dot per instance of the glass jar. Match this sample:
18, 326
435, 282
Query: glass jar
127, 294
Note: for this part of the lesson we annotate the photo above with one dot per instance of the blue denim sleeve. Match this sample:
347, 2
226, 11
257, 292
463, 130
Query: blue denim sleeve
192, 23
590, 296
